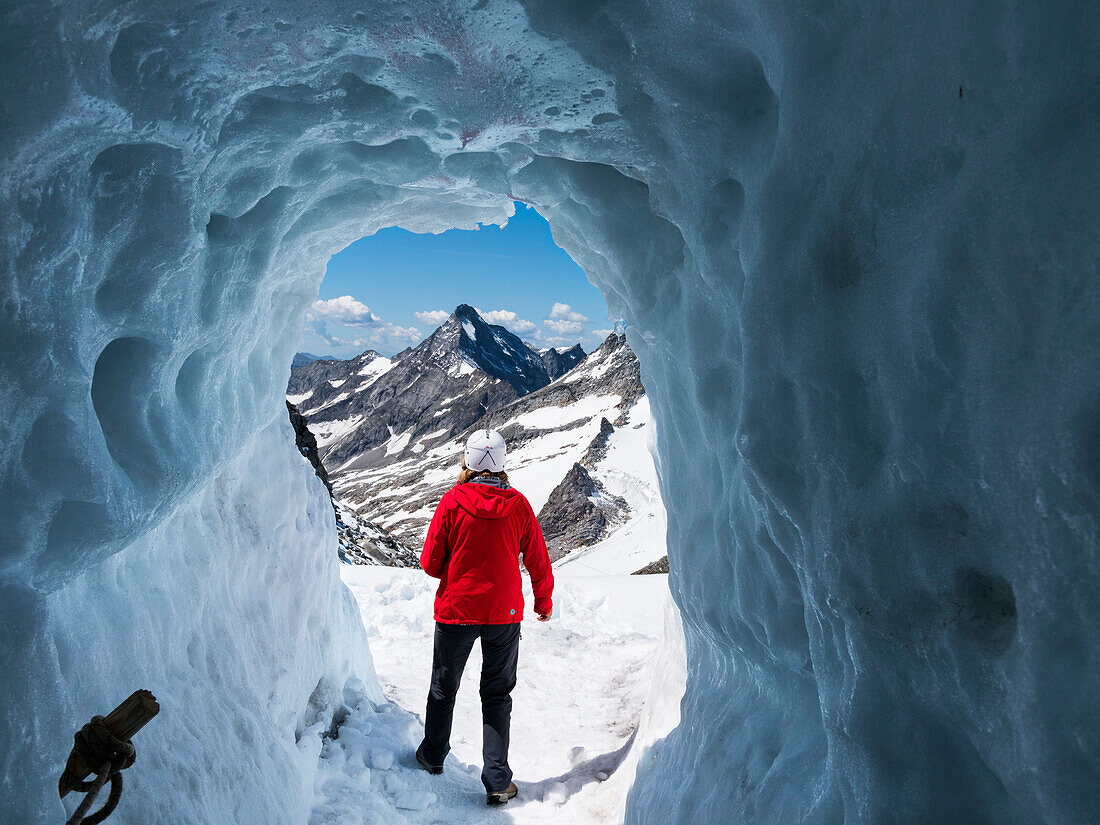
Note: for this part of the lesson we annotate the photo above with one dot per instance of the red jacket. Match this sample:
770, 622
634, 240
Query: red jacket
474, 544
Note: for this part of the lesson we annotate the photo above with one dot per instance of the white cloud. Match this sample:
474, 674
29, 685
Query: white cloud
602, 333
432, 316
393, 332
347, 311
564, 312
343, 310
564, 320
564, 327
381, 334
510, 320
320, 329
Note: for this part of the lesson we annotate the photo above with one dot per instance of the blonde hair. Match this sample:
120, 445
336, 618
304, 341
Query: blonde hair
466, 474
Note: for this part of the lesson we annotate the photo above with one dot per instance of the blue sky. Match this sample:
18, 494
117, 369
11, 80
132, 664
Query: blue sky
390, 290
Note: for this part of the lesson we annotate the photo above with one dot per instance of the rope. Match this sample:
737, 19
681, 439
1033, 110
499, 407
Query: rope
98, 746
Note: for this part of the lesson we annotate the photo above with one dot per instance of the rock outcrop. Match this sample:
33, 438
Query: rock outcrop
578, 513
559, 362
307, 444
360, 541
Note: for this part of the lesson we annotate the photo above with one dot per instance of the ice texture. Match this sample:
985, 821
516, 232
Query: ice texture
855, 245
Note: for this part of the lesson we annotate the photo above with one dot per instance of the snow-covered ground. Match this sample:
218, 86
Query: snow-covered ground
598, 684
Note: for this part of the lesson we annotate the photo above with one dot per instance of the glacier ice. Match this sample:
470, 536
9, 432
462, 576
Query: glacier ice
855, 245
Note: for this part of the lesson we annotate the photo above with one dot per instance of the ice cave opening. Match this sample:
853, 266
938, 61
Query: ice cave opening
382, 419
856, 250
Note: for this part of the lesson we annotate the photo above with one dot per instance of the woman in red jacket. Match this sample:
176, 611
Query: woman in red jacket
480, 530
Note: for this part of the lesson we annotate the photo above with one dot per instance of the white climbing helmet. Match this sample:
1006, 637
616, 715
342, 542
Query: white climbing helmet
485, 451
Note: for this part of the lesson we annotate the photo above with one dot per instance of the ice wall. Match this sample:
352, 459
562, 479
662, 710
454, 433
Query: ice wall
232, 611
856, 245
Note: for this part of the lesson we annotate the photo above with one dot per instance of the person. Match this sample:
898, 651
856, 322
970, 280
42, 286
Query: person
480, 531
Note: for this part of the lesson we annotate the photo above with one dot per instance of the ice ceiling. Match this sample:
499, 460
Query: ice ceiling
857, 247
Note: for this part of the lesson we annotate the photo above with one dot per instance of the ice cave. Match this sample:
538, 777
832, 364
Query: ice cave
852, 242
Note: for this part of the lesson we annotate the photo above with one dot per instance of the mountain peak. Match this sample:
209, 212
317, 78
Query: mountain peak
467, 337
463, 325
468, 312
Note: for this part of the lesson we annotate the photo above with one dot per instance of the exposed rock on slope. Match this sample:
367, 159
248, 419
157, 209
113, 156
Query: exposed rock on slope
578, 513
598, 448
659, 566
365, 542
307, 444
558, 362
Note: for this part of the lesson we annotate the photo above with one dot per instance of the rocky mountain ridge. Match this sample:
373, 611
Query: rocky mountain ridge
560, 361
371, 410
390, 430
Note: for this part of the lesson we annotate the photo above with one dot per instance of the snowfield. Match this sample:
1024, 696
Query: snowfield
598, 685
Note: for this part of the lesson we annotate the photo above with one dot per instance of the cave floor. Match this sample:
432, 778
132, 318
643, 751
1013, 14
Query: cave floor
585, 678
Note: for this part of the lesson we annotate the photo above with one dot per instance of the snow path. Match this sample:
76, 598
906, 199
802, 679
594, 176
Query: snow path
597, 685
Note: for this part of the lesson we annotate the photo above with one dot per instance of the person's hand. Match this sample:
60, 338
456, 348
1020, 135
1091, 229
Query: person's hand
544, 617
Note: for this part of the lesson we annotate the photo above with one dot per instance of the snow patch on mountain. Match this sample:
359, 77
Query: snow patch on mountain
547, 418
375, 369
398, 442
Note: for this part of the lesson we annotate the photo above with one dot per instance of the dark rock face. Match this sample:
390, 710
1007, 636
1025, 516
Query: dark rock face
495, 350
307, 444
598, 448
578, 513
659, 566
360, 541
559, 362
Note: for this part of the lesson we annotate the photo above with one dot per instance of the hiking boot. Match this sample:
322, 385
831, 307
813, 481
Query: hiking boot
426, 765
500, 797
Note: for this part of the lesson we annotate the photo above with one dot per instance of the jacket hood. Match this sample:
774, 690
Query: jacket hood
485, 500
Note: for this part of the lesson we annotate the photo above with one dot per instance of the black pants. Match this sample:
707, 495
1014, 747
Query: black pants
500, 656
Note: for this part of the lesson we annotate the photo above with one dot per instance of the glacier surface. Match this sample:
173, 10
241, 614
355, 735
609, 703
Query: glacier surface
856, 247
